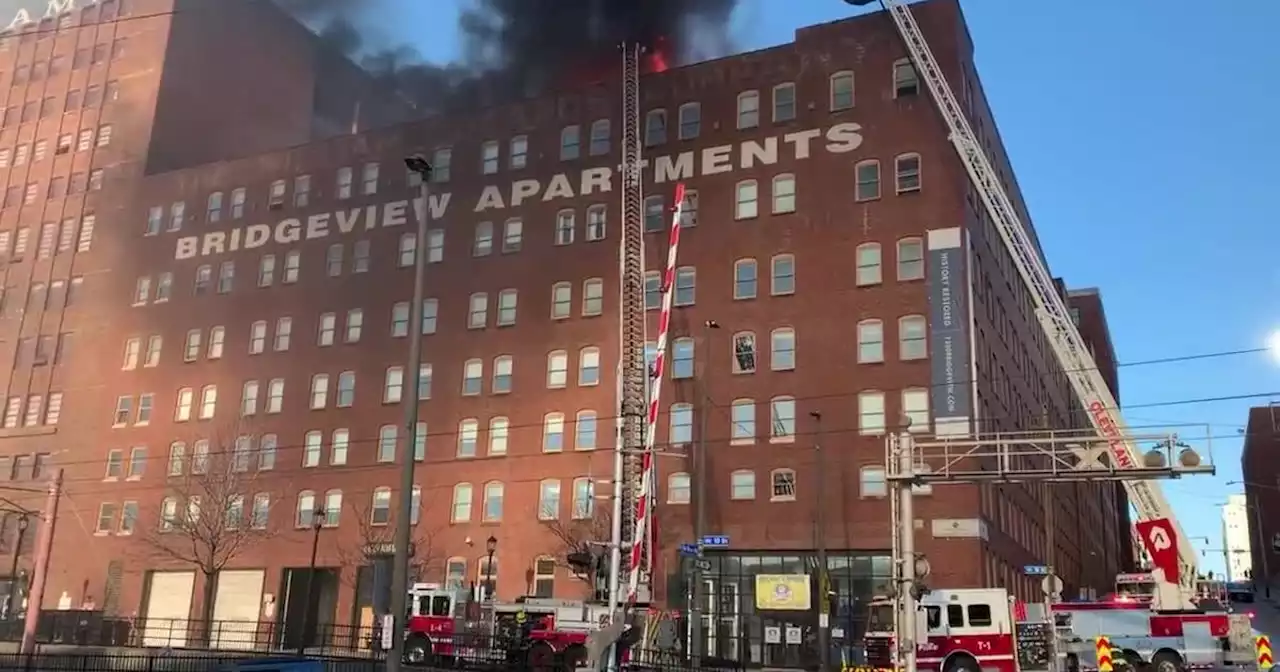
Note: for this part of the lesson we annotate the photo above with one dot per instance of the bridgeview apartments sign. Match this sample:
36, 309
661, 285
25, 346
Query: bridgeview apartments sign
950, 359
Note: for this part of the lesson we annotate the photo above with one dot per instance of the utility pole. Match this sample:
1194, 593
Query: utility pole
40, 567
900, 463
1263, 548
820, 543
409, 434
697, 639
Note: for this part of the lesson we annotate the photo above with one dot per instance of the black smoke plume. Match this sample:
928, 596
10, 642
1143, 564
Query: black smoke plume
524, 46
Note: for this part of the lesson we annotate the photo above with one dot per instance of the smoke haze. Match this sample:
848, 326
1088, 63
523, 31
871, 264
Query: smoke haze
529, 44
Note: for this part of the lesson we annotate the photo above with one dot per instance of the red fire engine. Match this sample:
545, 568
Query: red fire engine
444, 624
978, 629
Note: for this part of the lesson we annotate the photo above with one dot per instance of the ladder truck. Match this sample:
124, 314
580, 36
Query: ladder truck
1170, 550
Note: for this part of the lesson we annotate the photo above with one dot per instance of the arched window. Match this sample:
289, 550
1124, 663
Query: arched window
784, 485
462, 496
742, 484
747, 202
869, 264
306, 510
870, 342
493, 497
679, 488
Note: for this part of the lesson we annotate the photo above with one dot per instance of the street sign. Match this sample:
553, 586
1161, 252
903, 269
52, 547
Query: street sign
715, 541
1036, 570
688, 549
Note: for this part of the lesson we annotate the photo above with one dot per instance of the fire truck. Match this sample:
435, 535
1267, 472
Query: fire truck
968, 630
446, 625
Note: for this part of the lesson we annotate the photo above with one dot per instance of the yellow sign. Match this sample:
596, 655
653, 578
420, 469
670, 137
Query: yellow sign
789, 592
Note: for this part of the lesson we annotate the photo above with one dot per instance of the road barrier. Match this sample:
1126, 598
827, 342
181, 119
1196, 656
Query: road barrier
1102, 645
1262, 647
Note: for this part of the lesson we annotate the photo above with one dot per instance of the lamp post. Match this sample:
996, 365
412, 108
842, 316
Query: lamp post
23, 523
696, 635
820, 543
490, 545
416, 164
317, 521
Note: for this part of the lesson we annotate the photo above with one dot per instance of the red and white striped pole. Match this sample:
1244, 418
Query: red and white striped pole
644, 496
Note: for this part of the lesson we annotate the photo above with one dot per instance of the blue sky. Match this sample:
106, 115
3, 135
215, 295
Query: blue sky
1141, 133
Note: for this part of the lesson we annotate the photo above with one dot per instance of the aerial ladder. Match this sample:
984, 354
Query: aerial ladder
1159, 529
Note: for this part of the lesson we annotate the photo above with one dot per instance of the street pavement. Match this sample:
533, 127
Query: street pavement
1266, 614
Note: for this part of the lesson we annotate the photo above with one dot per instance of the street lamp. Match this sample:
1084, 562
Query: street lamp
490, 545
418, 165
23, 523
318, 520
697, 637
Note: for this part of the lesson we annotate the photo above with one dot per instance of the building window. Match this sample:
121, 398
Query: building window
744, 279
867, 174
570, 142
499, 432
690, 121
583, 498
503, 368
430, 311
911, 259
589, 367
680, 431
462, 497
512, 235
408, 249
783, 349
483, 245
742, 484
912, 339
596, 222
557, 369
468, 437
585, 437
784, 194
493, 496
301, 191
907, 173
238, 197
682, 358
783, 271
743, 421
784, 485
553, 433
654, 209
905, 80
915, 406
489, 157
565, 226
519, 157
333, 260
748, 200
748, 109
870, 342
387, 436
784, 102
686, 286
744, 352
652, 290
319, 391
841, 91
679, 488
872, 482
549, 499
655, 128
380, 507
592, 297
441, 165
472, 377
600, 132
868, 264
871, 415
507, 301
782, 419
344, 182
478, 311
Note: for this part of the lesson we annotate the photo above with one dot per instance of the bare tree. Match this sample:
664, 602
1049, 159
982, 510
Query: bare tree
214, 508
377, 539
581, 540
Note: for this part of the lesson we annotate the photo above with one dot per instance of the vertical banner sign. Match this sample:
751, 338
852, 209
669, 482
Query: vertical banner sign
950, 392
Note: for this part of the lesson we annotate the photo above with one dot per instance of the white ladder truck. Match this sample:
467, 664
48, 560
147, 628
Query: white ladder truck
1161, 533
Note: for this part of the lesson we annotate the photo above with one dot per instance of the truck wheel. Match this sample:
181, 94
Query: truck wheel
962, 663
417, 650
1166, 661
540, 658
572, 657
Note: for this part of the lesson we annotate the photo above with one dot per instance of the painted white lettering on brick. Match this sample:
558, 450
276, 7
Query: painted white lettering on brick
53, 8
719, 160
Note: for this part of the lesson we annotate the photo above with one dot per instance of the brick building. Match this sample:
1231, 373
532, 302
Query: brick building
95, 95
252, 313
1261, 473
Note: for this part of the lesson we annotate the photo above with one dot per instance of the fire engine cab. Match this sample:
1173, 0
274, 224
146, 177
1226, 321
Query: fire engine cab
445, 624
977, 629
